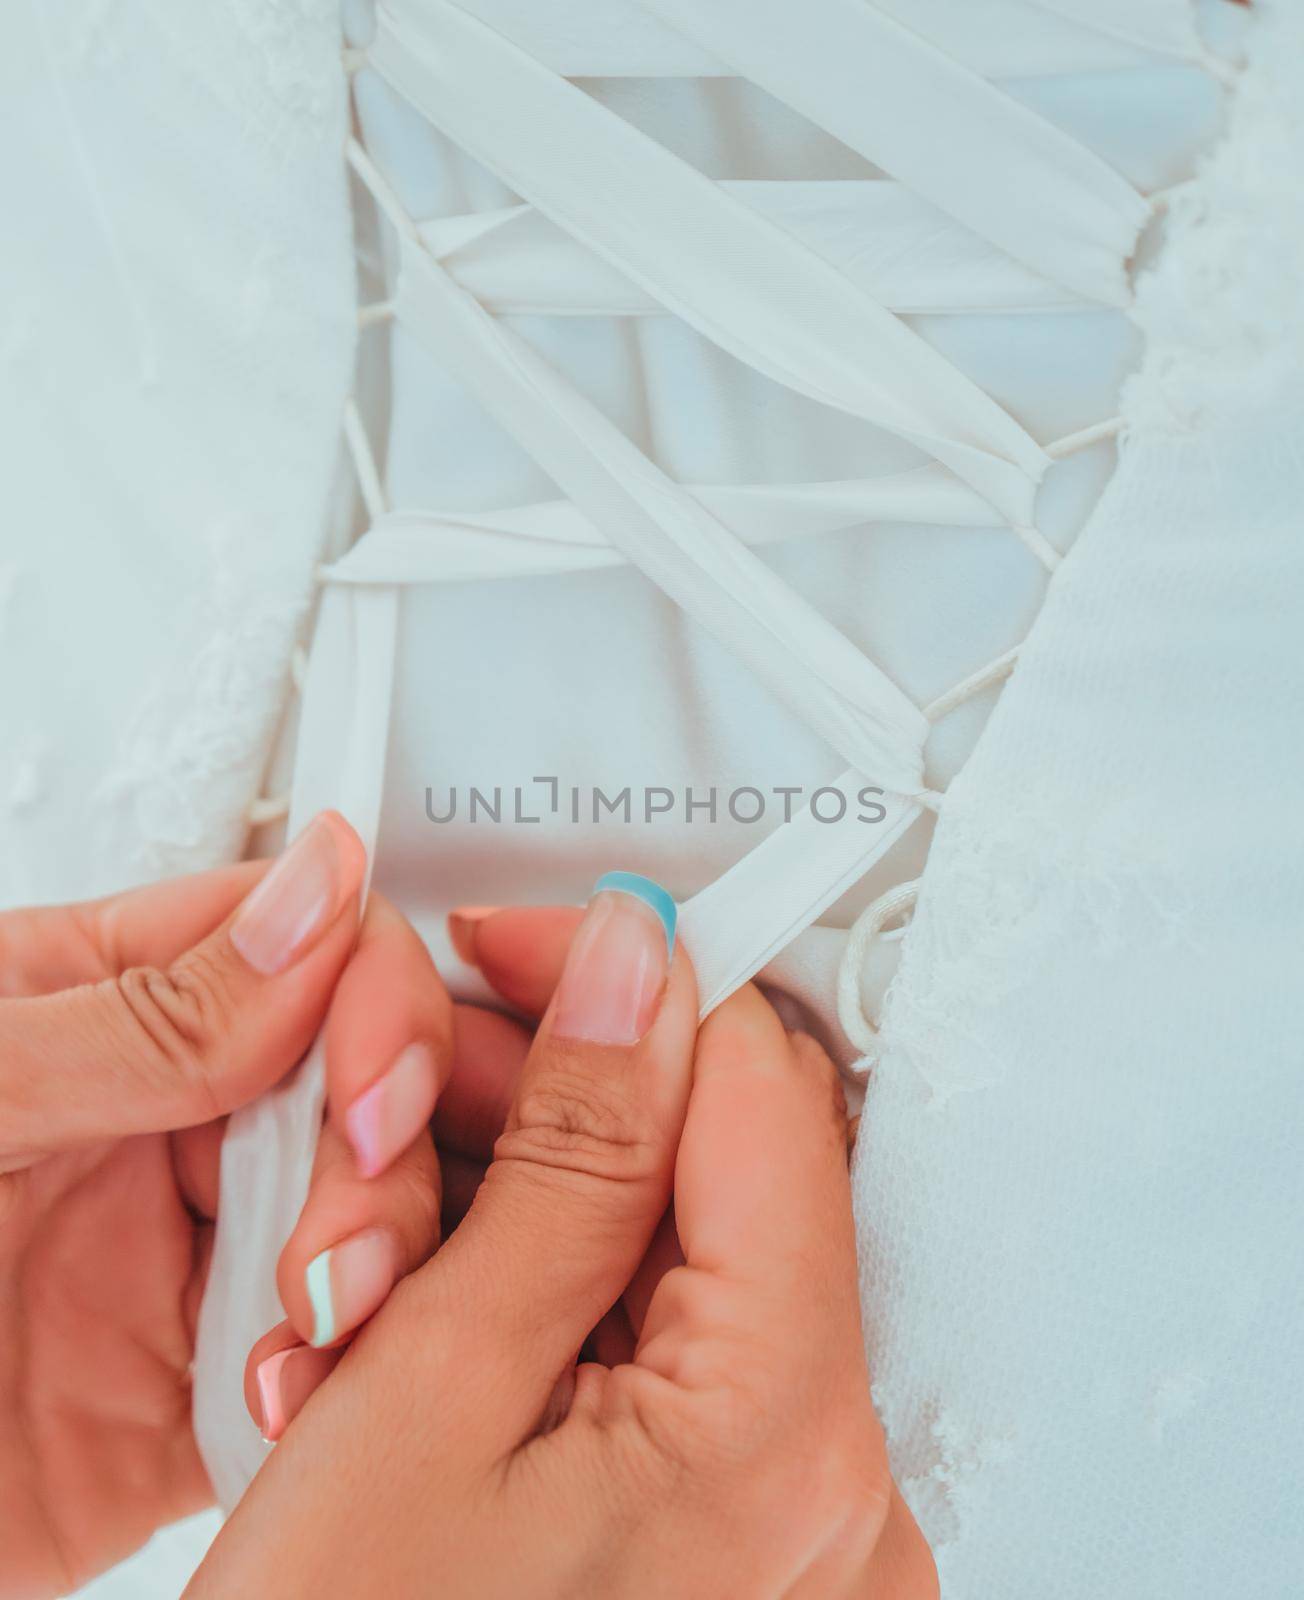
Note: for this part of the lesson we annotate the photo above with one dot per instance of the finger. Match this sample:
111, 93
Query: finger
460, 1181
167, 1047
520, 950
356, 1237
612, 1341
583, 1171
762, 1195
389, 1040
281, 1376
193, 1294
489, 1053
902, 1563
763, 1166
663, 1255
197, 1162
45, 948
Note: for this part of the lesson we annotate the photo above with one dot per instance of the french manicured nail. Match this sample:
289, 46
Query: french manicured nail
286, 1380
462, 922
349, 1281
616, 967
301, 896
383, 1121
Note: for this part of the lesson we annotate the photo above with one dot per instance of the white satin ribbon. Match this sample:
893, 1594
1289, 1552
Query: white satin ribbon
339, 763
554, 536
749, 286
1012, 178
831, 685
998, 38
893, 245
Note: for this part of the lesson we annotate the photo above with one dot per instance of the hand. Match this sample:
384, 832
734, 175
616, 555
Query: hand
128, 1029
459, 1446
520, 951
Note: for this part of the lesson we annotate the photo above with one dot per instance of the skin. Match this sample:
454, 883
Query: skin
495, 1424
719, 1422
129, 1028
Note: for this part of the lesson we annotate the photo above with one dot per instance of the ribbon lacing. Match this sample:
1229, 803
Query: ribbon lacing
618, 225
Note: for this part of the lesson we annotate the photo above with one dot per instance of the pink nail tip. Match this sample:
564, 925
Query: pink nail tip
384, 1120
270, 1398
287, 1380
301, 895
363, 1121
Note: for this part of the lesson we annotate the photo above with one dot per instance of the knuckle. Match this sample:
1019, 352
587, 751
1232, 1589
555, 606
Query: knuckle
175, 1016
571, 1117
738, 1433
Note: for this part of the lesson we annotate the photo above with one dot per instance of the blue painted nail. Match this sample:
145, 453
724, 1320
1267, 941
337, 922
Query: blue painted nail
650, 893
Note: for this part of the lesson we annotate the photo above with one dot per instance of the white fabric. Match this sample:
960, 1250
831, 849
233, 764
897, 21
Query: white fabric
902, 251
167, 472
611, 38
1011, 177
666, 532
1088, 1101
745, 284
176, 341
997, 1224
676, 239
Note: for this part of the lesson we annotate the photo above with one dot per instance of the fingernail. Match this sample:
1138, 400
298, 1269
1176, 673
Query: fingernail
462, 922
616, 968
384, 1120
286, 1380
301, 896
349, 1281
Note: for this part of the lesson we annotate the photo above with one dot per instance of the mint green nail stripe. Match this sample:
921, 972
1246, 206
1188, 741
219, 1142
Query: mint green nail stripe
651, 894
318, 1278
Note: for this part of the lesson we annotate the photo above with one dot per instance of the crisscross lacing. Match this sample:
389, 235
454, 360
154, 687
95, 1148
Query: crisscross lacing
612, 223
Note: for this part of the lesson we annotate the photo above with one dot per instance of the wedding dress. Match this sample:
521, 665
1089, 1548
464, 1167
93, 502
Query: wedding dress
742, 393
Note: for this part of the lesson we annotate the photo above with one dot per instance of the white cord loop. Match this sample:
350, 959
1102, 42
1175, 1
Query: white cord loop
693, 542
859, 1028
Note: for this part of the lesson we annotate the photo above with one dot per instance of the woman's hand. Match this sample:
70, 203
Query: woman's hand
460, 1448
128, 1029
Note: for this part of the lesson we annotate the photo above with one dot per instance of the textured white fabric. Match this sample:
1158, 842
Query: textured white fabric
532, 392
168, 171
177, 327
1080, 1149
1075, 1186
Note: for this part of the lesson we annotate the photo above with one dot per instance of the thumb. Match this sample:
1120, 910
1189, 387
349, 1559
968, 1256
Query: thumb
585, 1165
158, 1048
